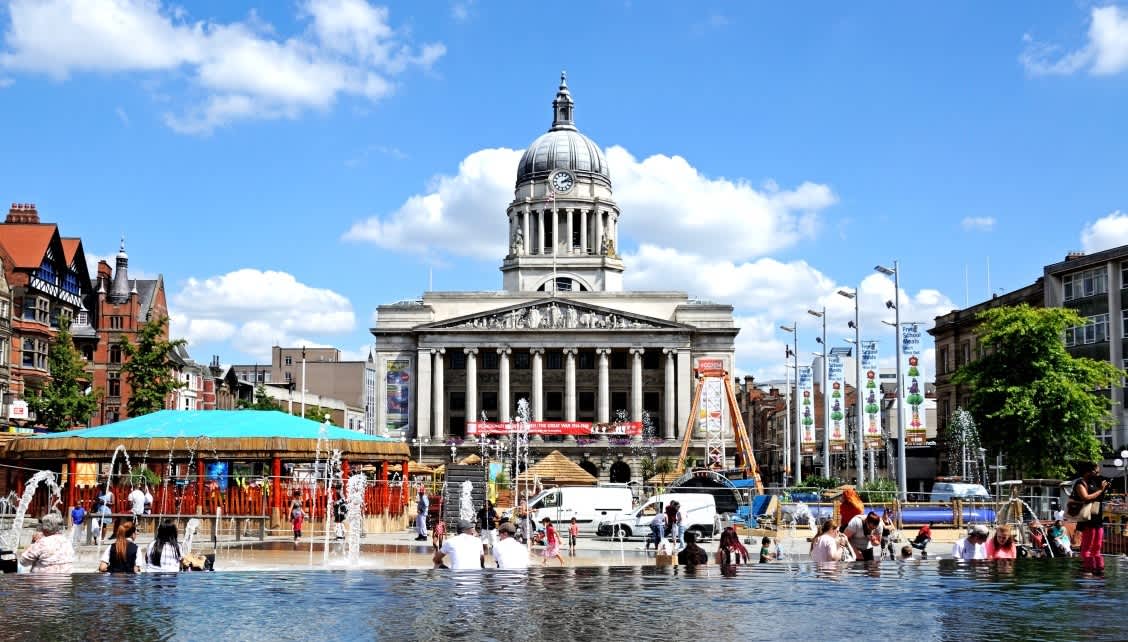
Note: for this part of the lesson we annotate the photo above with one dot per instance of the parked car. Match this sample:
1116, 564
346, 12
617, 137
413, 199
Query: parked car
699, 514
947, 491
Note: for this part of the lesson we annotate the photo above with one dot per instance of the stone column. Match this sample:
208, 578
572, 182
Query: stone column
596, 220
503, 383
636, 383
570, 384
555, 231
438, 396
602, 410
685, 389
471, 383
583, 232
528, 233
569, 215
423, 386
538, 384
540, 232
668, 405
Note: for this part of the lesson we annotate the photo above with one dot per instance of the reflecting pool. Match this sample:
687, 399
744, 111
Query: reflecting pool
945, 600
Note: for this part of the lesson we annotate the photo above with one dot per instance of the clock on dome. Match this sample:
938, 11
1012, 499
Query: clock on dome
562, 181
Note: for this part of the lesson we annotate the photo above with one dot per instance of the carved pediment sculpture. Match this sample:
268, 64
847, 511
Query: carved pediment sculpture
556, 315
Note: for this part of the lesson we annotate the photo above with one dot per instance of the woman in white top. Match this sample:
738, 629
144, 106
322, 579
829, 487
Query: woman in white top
164, 555
827, 547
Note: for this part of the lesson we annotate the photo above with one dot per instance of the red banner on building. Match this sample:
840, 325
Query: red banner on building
626, 428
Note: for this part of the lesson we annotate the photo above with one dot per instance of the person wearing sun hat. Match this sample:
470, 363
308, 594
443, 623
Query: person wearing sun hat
972, 547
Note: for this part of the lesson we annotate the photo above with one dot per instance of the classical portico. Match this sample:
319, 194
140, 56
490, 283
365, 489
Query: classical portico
562, 333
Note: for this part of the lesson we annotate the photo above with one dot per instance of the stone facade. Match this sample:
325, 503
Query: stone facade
561, 333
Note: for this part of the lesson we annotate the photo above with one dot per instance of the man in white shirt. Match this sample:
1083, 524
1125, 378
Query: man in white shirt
137, 504
508, 552
972, 547
864, 534
464, 549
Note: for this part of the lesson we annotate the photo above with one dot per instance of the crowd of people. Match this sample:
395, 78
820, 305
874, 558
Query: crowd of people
52, 549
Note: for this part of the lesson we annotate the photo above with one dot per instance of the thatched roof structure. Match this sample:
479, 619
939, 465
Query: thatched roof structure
664, 479
222, 434
557, 470
470, 460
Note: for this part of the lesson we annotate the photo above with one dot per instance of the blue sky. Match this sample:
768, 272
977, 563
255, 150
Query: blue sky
289, 166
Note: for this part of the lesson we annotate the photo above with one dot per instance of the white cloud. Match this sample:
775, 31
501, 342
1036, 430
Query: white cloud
242, 69
122, 116
464, 214
978, 223
256, 309
461, 10
1106, 232
1105, 51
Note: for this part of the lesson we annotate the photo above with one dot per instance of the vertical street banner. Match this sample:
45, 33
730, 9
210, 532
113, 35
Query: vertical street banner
912, 385
836, 378
807, 409
871, 395
398, 387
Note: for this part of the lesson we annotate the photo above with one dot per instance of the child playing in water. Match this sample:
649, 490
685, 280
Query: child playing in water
573, 533
297, 516
765, 550
438, 533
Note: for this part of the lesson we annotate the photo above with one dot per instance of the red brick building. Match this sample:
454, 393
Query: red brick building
119, 306
49, 280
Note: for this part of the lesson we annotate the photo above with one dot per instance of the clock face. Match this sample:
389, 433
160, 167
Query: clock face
562, 181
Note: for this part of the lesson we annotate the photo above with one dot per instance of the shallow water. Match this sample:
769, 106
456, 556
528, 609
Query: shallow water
945, 600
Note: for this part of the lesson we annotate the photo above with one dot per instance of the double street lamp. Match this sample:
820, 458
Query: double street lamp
895, 304
860, 438
788, 444
826, 395
1122, 464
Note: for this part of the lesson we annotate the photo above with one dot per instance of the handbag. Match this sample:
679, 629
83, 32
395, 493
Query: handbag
1089, 511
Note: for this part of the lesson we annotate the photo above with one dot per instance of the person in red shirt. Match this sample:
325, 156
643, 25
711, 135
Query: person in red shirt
923, 537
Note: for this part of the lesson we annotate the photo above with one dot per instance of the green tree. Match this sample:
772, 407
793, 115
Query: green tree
262, 401
316, 413
149, 368
63, 402
1031, 399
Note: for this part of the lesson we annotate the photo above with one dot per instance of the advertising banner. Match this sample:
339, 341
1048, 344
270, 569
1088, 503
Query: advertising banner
398, 385
912, 385
871, 394
619, 429
837, 378
807, 408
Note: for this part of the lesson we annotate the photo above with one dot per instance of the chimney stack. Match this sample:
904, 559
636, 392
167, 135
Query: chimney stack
23, 213
1073, 256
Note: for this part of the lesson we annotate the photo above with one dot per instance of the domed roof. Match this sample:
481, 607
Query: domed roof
563, 147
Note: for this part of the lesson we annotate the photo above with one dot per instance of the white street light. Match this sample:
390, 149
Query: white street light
859, 442
826, 396
1122, 463
895, 305
792, 353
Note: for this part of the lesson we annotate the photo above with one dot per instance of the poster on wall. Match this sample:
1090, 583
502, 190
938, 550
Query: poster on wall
837, 378
871, 395
807, 408
912, 384
217, 475
398, 385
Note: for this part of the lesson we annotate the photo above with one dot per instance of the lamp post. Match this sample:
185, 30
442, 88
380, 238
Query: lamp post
1122, 464
902, 475
303, 381
859, 441
826, 396
419, 441
797, 473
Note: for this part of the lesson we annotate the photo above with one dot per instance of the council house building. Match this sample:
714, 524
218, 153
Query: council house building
562, 332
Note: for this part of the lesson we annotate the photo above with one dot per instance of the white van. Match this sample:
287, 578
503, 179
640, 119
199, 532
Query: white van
588, 504
699, 514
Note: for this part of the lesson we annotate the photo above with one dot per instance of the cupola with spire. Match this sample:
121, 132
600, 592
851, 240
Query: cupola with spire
120, 291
